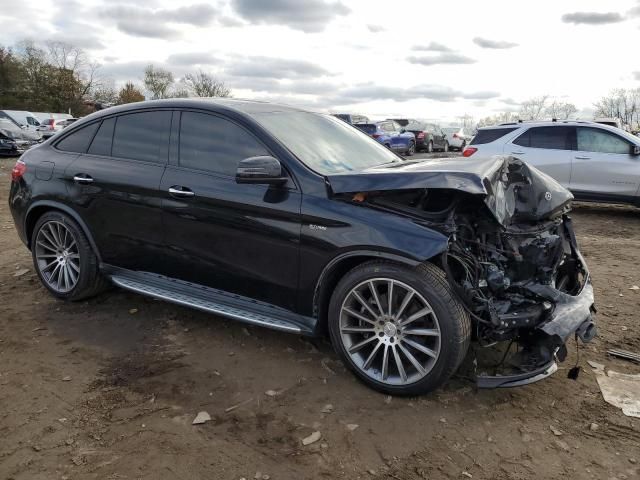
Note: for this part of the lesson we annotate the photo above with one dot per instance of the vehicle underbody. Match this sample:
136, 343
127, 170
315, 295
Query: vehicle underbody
513, 262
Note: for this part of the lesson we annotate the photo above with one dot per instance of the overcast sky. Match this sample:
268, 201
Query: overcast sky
431, 60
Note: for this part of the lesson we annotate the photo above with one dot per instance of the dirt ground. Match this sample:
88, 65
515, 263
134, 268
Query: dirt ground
108, 388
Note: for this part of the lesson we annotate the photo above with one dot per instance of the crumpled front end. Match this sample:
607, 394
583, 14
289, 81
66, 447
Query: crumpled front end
512, 259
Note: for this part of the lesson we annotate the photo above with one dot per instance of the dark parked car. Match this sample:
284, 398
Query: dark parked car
391, 135
351, 119
15, 140
296, 221
429, 137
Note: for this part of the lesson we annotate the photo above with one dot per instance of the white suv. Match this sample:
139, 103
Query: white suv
596, 162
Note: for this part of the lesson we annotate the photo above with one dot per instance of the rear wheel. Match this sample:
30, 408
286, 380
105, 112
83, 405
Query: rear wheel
399, 329
412, 149
63, 258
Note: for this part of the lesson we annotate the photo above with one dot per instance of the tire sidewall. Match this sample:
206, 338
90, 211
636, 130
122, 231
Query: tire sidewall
448, 352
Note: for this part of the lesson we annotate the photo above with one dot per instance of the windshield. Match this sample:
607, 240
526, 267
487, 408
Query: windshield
324, 143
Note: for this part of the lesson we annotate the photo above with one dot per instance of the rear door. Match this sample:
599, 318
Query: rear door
603, 166
239, 238
115, 186
546, 148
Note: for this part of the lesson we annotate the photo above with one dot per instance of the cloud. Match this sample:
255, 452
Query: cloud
192, 58
636, 75
481, 95
376, 28
124, 70
271, 85
432, 47
592, 18
494, 44
440, 59
153, 23
271, 67
309, 16
510, 102
144, 28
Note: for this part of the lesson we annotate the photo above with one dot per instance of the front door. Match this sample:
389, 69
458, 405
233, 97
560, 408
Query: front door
603, 166
238, 238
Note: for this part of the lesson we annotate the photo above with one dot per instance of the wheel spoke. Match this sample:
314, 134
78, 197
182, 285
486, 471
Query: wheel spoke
419, 314
54, 234
364, 303
421, 348
385, 362
49, 265
399, 364
372, 355
52, 275
426, 332
358, 315
51, 241
414, 361
356, 329
366, 341
405, 301
67, 279
72, 275
374, 294
74, 267
390, 296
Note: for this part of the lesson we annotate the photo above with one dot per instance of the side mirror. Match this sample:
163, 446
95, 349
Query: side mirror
264, 170
635, 150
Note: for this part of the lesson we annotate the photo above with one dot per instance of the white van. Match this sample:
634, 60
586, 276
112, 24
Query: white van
21, 118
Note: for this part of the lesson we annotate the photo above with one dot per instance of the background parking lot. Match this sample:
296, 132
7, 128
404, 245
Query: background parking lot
108, 389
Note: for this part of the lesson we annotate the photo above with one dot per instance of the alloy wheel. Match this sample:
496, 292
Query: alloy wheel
389, 331
57, 256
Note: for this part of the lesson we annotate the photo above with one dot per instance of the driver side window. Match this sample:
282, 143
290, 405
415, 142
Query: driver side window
601, 141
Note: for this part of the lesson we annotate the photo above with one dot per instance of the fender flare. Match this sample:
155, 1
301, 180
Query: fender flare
335, 261
53, 205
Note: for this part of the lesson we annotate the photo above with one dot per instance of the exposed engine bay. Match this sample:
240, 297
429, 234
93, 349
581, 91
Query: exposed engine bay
512, 260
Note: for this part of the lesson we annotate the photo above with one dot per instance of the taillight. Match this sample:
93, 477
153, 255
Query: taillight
376, 135
18, 171
469, 151
455, 135
52, 125
420, 135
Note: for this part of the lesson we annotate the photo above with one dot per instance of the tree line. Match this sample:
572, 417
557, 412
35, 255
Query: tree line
60, 77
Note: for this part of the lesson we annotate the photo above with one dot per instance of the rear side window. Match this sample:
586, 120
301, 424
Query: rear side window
142, 136
601, 141
101, 144
555, 138
78, 141
215, 144
490, 135
367, 128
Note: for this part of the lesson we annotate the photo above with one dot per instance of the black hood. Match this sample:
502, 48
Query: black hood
512, 189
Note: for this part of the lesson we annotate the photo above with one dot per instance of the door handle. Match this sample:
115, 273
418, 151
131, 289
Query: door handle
517, 153
582, 157
181, 192
83, 179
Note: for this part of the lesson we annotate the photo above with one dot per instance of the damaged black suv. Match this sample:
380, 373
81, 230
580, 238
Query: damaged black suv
297, 221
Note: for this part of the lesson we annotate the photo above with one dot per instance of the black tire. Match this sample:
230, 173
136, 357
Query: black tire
412, 149
89, 280
453, 321
430, 147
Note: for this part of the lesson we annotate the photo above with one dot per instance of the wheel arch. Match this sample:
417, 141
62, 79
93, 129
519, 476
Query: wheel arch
39, 208
338, 268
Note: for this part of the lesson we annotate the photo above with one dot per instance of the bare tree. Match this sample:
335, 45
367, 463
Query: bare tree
158, 82
534, 108
621, 104
203, 84
560, 110
503, 117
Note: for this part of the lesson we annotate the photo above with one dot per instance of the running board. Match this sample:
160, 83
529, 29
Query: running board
210, 300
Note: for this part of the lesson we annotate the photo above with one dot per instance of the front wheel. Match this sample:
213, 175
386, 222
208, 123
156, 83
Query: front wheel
399, 329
